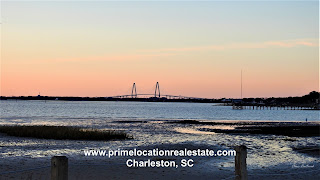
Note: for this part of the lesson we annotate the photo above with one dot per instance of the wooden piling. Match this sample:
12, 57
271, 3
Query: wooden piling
241, 163
59, 168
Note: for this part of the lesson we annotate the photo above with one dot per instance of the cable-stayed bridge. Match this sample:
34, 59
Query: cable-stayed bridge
155, 95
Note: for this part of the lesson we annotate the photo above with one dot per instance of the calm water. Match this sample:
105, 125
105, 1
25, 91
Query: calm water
62, 111
264, 150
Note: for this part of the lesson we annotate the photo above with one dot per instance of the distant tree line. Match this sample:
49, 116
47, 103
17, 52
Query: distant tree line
310, 99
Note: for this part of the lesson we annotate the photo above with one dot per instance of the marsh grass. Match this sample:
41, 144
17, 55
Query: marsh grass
64, 132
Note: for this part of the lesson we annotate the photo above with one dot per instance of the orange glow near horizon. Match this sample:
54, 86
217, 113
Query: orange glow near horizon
115, 75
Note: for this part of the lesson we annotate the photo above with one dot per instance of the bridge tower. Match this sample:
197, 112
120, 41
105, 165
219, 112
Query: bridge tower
134, 91
157, 88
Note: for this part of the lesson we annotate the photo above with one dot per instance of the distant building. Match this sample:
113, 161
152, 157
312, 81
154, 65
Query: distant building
226, 100
237, 100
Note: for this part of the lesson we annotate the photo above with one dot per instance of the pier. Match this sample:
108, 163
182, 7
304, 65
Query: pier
270, 107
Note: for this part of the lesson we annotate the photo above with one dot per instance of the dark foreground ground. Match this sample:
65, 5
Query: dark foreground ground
276, 150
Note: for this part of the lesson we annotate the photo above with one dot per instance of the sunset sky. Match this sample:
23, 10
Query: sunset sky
191, 48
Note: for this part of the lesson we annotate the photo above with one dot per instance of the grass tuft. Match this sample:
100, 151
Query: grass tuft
64, 132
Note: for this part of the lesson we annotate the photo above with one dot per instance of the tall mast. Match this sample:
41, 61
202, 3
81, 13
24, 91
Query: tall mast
241, 83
